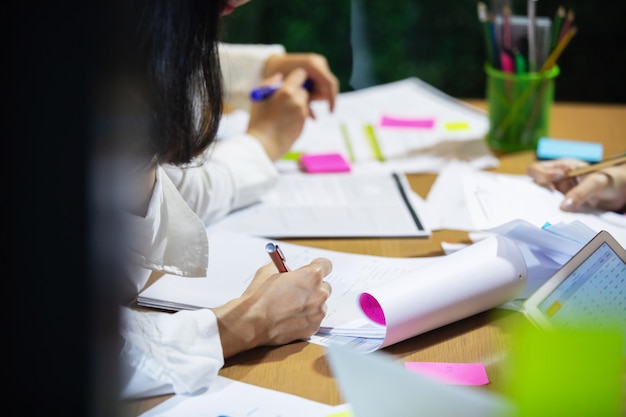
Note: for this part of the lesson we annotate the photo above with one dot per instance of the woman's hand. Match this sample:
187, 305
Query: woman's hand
325, 83
278, 120
604, 189
275, 308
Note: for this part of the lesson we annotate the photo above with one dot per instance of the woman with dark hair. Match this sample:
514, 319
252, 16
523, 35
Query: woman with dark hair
177, 96
241, 167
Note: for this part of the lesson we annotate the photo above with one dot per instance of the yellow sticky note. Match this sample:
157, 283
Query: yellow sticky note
456, 126
345, 413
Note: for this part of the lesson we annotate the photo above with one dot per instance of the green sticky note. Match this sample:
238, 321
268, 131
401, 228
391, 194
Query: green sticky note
292, 156
567, 373
372, 138
347, 141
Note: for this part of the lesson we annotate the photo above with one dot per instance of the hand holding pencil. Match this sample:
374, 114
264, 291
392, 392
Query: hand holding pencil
599, 186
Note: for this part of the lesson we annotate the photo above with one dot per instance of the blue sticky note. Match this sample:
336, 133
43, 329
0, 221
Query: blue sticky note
550, 148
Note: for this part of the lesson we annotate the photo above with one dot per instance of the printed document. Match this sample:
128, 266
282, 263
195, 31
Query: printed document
334, 205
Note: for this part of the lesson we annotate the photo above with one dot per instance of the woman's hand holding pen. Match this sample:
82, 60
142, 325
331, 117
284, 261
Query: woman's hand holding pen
325, 84
604, 189
276, 308
278, 121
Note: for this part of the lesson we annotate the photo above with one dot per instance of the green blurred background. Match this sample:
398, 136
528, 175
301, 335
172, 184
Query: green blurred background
371, 42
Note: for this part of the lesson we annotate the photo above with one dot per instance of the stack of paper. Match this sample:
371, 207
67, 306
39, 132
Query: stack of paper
415, 294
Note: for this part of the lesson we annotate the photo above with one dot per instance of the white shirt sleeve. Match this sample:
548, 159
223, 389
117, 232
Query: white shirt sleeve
171, 238
236, 173
165, 353
242, 65
162, 352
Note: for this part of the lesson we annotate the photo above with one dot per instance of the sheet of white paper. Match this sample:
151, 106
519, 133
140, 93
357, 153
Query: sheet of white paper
404, 149
334, 205
375, 385
227, 397
472, 280
492, 199
457, 133
545, 251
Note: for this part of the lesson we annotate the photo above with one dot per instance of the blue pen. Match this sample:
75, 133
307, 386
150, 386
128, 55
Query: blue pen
261, 93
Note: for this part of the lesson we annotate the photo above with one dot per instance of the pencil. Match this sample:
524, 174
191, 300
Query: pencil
556, 27
569, 21
506, 28
494, 43
482, 17
609, 162
532, 45
554, 55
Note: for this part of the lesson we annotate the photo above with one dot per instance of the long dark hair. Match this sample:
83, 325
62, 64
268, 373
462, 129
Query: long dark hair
177, 54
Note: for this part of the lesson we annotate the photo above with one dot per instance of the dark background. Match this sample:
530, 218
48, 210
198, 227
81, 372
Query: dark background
440, 42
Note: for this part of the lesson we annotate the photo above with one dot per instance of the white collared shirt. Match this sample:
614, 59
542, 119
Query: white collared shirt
182, 352
163, 352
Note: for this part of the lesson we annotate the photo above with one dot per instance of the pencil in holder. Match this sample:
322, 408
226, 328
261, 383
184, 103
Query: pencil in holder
519, 108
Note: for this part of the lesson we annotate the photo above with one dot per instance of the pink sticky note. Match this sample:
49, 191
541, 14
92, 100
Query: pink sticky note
407, 122
451, 373
326, 162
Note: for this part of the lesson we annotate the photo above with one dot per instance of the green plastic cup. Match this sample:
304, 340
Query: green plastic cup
519, 108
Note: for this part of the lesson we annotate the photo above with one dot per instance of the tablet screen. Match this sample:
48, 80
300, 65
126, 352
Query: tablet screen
594, 294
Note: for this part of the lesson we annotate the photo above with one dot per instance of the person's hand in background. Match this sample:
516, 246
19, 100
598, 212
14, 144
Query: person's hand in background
278, 120
604, 189
325, 83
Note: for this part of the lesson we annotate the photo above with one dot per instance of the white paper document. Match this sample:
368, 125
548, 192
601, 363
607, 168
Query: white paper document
334, 205
234, 259
404, 126
475, 279
545, 249
467, 199
230, 398
415, 294
407, 125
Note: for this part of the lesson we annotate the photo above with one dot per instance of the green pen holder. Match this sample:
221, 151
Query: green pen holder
519, 108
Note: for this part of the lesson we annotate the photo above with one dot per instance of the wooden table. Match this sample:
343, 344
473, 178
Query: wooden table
301, 368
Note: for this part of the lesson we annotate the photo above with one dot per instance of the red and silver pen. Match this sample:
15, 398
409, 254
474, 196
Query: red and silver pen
276, 255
